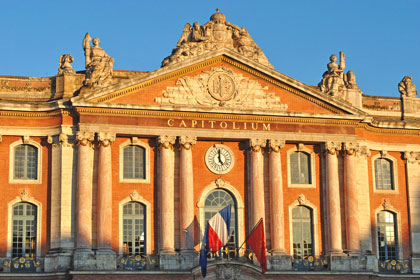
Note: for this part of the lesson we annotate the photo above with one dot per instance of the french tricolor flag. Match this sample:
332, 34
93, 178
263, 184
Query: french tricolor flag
215, 236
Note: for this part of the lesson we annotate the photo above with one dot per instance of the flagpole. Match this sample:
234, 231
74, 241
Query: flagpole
250, 234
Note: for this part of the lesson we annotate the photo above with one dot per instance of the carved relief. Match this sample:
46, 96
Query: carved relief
407, 88
65, 66
221, 87
226, 271
215, 34
301, 199
28, 88
412, 157
25, 139
24, 196
386, 205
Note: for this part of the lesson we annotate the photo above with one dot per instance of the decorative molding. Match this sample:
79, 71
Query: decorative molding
221, 87
26, 139
301, 199
187, 141
106, 138
300, 147
63, 139
24, 196
383, 153
50, 139
228, 271
386, 205
134, 196
220, 183
332, 148
276, 145
85, 138
257, 144
166, 141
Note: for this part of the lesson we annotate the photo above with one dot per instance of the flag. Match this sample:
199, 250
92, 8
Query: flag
216, 235
256, 241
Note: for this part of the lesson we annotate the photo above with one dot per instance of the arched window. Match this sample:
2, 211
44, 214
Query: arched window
134, 229
300, 168
134, 166
24, 233
216, 201
25, 162
302, 232
383, 174
387, 236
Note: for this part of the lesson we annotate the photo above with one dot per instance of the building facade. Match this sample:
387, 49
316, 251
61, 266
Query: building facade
112, 174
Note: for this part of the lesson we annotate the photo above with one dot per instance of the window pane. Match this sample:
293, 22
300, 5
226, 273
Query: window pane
134, 162
134, 228
300, 168
387, 236
302, 232
24, 230
26, 162
383, 174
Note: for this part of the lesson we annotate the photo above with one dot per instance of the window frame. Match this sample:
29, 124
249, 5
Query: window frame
24, 197
301, 148
134, 196
132, 217
145, 146
311, 219
220, 183
12, 179
397, 216
315, 234
394, 174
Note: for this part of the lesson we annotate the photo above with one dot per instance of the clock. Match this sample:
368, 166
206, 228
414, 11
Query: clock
219, 159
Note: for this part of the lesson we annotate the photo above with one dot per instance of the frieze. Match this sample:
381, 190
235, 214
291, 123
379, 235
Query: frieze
5, 86
218, 124
221, 87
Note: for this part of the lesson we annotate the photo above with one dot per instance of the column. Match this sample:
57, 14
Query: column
351, 198
333, 197
257, 180
186, 184
84, 191
166, 208
276, 198
412, 160
104, 194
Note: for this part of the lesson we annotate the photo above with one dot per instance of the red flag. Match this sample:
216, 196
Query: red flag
257, 243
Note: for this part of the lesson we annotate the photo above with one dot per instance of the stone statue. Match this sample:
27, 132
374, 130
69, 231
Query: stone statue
407, 88
65, 66
98, 63
215, 34
334, 81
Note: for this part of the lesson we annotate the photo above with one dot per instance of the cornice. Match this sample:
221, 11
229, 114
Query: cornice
24, 114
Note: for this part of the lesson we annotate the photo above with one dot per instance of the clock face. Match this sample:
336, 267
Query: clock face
219, 159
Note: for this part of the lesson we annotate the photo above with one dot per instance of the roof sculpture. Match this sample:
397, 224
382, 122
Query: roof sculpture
215, 34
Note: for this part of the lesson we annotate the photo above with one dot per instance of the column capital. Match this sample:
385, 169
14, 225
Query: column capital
276, 145
350, 148
187, 141
166, 141
332, 148
106, 138
85, 138
256, 144
363, 151
412, 157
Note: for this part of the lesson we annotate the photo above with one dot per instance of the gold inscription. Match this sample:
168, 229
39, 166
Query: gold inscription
218, 124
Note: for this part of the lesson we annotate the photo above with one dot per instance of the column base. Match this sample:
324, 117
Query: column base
415, 264
168, 260
58, 259
188, 259
84, 259
352, 263
106, 259
280, 262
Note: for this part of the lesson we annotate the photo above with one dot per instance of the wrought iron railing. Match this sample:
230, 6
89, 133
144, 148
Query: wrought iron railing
394, 266
21, 264
310, 263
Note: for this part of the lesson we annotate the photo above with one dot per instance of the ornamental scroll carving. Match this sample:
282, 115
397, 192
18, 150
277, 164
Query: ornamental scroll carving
221, 87
215, 34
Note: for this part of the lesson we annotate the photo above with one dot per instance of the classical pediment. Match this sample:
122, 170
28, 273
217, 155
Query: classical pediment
221, 80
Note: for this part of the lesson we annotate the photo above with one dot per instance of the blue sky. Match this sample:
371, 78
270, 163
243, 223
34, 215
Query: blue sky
381, 39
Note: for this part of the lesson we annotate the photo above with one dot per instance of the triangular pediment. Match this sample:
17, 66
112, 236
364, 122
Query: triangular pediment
221, 80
